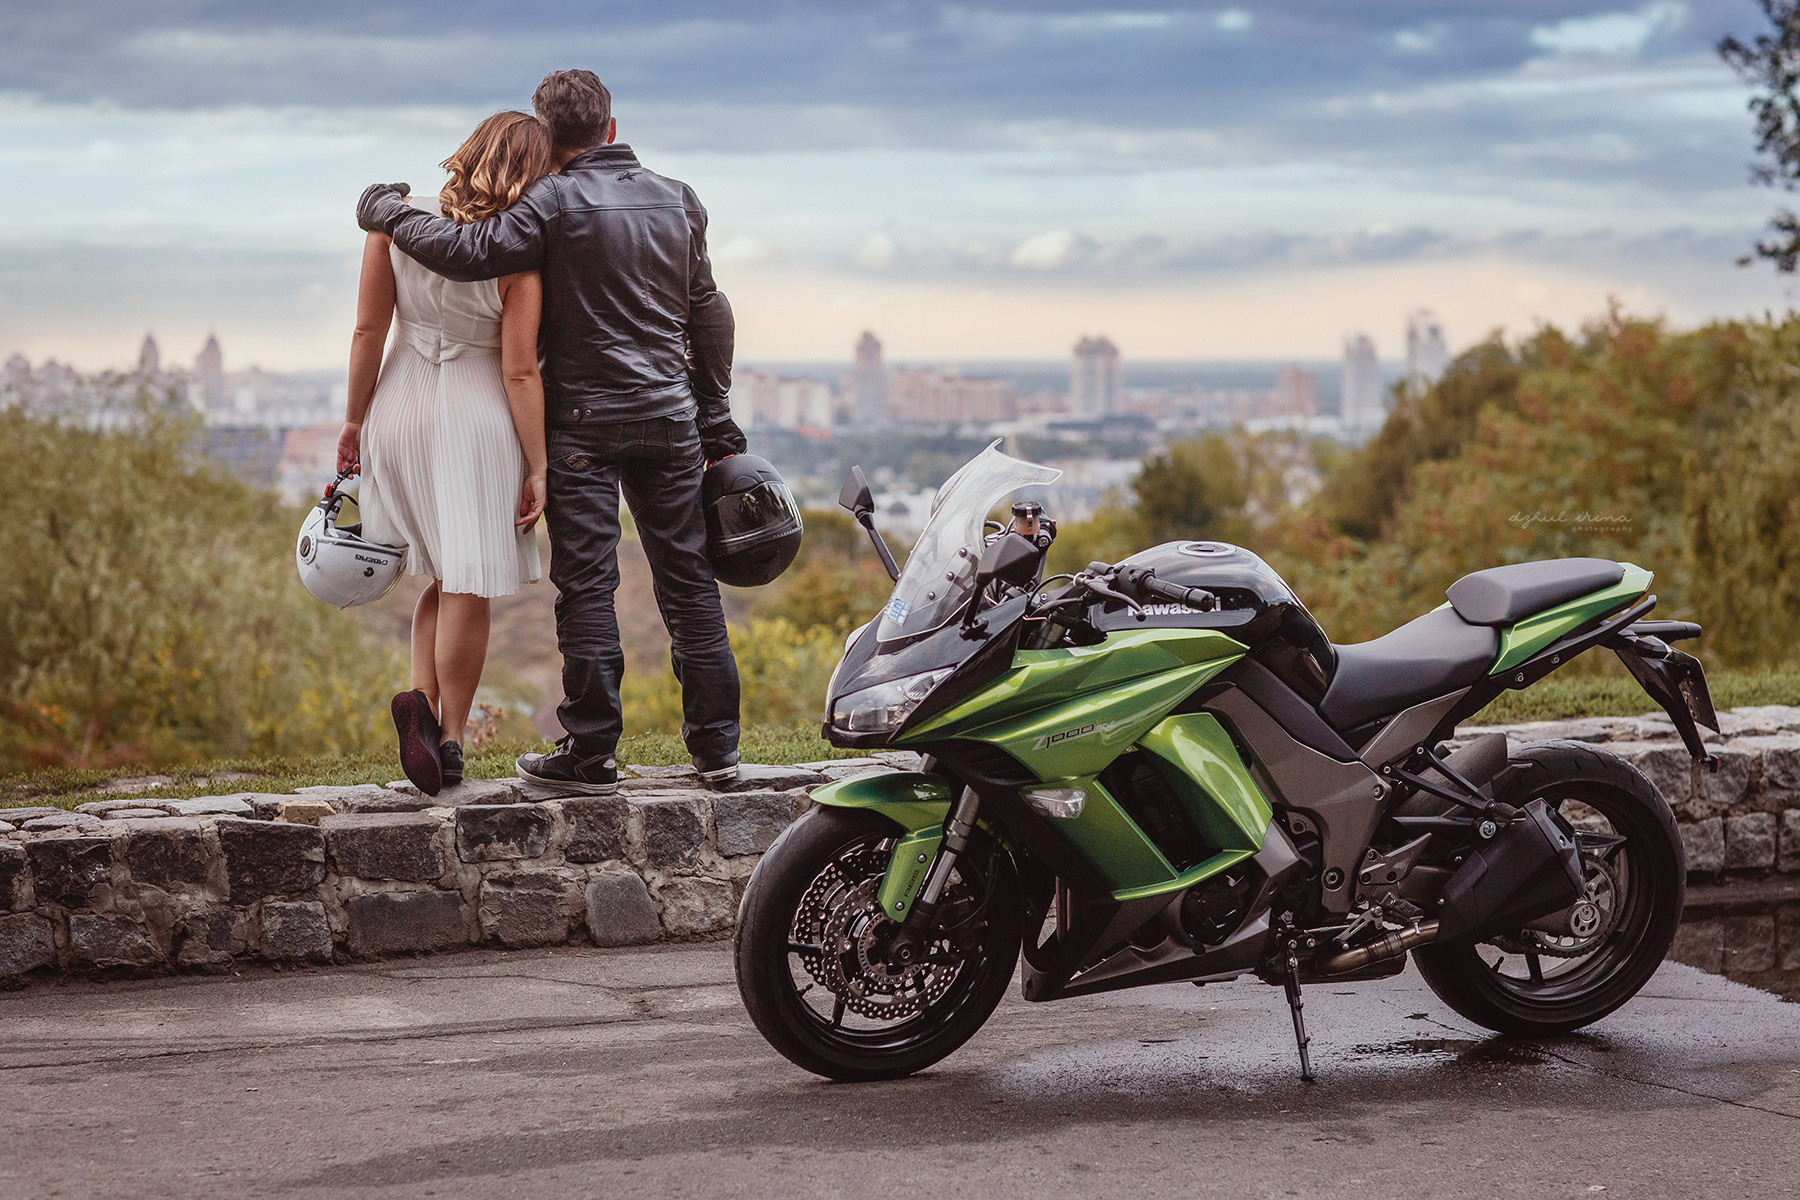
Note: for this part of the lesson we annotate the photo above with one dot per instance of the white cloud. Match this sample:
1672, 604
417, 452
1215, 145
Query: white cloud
1235, 20
875, 254
1618, 34
1045, 251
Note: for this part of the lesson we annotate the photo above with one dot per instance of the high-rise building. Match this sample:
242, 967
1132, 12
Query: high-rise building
1296, 392
868, 385
149, 357
944, 395
1094, 378
1361, 404
209, 372
1426, 354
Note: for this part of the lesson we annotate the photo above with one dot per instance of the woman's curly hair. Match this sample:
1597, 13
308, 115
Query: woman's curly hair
506, 154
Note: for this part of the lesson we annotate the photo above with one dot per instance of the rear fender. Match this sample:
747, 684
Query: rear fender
918, 803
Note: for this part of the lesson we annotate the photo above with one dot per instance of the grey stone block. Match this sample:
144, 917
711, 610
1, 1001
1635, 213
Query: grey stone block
694, 905
18, 816
469, 791
1780, 769
213, 806
674, 830
107, 808
754, 777
295, 931
15, 879
749, 822
1750, 842
61, 820
620, 911
344, 799
685, 786
596, 828
64, 870
384, 924
1787, 858
900, 760
1770, 716
106, 940
140, 814
168, 853
1704, 844
521, 915
502, 832
208, 939
678, 771
26, 943
1728, 788
387, 802
384, 845
264, 858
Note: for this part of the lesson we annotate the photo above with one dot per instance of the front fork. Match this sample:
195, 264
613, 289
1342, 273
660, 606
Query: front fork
915, 928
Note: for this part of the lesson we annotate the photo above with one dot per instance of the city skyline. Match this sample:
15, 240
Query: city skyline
1207, 182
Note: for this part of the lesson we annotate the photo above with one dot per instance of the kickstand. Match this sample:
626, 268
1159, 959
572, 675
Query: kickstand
1298, 1006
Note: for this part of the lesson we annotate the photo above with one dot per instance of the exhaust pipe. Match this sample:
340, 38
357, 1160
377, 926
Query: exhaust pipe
1391, 946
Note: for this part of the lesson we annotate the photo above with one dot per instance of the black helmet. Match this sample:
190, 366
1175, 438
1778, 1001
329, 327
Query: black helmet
752, 523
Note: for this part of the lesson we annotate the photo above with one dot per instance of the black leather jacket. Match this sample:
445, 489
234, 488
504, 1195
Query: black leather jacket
633, 326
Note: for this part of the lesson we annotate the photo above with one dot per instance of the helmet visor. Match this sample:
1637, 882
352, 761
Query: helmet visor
766, 511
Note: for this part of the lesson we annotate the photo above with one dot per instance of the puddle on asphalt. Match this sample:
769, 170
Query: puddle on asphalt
1761, 948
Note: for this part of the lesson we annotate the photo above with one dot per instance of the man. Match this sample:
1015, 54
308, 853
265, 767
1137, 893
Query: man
635, 348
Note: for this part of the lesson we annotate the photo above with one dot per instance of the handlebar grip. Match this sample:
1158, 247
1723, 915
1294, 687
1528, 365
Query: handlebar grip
1196, 598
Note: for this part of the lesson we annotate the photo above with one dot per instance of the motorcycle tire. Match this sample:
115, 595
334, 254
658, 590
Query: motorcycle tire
786, 1001
1647, 875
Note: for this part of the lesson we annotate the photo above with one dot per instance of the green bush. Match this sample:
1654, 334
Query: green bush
150, 611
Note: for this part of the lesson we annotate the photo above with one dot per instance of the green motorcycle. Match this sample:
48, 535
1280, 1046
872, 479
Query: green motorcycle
1161, 770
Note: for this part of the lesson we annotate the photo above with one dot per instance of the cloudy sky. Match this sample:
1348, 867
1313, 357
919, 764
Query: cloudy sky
979, 181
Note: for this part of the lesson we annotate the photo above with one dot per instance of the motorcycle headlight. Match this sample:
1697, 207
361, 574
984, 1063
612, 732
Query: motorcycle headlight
885, 707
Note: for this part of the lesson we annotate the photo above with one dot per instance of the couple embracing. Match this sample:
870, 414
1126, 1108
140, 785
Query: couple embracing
560, 337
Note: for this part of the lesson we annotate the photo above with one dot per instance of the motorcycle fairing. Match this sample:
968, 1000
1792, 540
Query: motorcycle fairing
1524, 638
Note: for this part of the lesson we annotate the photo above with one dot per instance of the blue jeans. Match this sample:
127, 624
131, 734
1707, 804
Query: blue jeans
658, 464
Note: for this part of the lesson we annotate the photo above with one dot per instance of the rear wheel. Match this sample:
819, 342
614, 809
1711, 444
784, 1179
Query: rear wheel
1533, 981
811, 951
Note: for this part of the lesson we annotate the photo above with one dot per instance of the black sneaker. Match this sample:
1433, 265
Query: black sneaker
563, 768
450, 754
717, 768
419, 734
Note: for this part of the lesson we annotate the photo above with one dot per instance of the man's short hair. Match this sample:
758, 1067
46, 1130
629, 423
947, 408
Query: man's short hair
576, 106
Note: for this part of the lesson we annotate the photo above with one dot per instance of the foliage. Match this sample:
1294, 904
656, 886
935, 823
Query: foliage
150, 611
837, 582
1770, 63
782, 668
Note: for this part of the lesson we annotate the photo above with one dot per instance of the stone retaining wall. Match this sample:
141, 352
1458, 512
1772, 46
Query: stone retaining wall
323, 874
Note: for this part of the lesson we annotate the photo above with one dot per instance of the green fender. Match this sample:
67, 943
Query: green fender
918, 803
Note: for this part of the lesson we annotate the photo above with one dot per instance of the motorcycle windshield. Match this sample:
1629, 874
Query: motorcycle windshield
940, 573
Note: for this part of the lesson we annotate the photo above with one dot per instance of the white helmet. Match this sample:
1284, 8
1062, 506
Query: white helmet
336, 564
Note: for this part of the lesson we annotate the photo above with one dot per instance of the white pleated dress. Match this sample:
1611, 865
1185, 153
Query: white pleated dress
442, 464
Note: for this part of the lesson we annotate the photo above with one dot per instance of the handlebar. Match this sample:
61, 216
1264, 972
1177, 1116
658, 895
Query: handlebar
1144, 581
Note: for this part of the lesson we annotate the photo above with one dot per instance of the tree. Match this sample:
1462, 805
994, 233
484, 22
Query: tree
1771, 64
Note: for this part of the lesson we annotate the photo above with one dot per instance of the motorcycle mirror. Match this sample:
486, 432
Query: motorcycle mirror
856, 495
1011, 559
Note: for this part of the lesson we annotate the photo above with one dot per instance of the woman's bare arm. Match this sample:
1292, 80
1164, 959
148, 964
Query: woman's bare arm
522, 302
374, 314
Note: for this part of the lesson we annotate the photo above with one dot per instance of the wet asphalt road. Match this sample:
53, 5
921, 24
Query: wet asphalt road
571, 1073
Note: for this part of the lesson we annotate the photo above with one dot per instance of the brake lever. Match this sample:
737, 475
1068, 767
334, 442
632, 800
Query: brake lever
1100, 587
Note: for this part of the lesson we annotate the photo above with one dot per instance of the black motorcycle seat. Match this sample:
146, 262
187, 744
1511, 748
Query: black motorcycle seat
1502, 595
1424, 658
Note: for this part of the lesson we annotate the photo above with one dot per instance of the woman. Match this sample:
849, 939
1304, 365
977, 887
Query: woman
451, 439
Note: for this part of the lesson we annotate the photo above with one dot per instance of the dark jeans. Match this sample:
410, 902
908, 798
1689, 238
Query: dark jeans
658, 463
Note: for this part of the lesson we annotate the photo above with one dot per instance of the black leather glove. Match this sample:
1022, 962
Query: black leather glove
381, 203
722, 439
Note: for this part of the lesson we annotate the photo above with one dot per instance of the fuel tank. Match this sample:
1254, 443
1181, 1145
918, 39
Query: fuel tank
1256, 607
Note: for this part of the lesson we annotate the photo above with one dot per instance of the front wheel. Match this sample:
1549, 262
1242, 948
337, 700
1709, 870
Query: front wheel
811, 944
1529, 981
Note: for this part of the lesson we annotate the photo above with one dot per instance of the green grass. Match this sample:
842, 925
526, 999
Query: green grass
1604, 696
1553, 699
64, 788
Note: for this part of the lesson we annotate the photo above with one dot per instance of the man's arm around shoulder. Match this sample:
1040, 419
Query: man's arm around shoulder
505, 244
